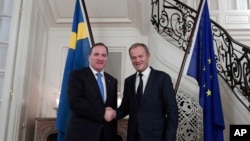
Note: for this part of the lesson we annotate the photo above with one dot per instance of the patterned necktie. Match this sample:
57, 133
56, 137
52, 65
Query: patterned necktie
100, 84
139, 89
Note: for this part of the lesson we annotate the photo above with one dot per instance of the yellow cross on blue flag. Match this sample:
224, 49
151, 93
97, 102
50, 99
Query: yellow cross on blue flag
202, 67
77, 57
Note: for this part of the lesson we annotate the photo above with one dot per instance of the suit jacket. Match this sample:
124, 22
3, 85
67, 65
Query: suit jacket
156, 116
86, 119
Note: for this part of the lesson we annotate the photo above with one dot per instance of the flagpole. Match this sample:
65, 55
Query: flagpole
77, 58
88, 23
188, 48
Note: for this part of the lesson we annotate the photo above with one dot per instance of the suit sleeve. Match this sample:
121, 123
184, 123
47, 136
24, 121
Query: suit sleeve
123, 109
171, 109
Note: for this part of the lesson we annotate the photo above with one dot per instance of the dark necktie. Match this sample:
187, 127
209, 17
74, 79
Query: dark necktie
100, 84
139, 89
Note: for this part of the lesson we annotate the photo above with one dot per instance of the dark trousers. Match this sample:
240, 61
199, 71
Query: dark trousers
137, 137
102, 136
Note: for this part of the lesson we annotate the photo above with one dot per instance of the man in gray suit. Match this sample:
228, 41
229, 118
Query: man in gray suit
92, 106
149, 100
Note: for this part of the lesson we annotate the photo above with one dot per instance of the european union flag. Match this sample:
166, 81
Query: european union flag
77, 58
203, 68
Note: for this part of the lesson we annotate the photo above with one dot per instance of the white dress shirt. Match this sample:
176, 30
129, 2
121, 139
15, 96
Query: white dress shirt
145, 76
103, 81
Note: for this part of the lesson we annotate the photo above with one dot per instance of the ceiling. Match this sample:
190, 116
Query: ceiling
60, 12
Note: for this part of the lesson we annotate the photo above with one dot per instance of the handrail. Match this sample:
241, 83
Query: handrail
174, 21
188, 49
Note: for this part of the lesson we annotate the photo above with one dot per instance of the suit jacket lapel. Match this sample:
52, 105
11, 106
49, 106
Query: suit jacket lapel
133, 87
108, 82
91, 77
150, 82
149, 85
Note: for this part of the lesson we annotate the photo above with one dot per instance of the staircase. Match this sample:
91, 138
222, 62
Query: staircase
172, 24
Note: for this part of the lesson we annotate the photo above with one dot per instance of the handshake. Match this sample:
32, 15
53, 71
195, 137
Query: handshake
110, 114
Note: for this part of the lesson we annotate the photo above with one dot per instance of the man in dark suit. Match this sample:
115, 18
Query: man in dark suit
92, 108
153, 112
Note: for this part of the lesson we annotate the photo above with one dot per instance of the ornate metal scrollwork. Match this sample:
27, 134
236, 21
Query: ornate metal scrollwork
174, 21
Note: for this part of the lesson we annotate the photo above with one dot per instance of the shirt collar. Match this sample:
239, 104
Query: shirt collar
95, 72
145, 72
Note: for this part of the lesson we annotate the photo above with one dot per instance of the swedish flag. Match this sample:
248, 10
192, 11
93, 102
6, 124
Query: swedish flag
203, 68
77, 58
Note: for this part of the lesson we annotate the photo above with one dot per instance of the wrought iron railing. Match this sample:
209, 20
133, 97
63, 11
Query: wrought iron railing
174, 21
